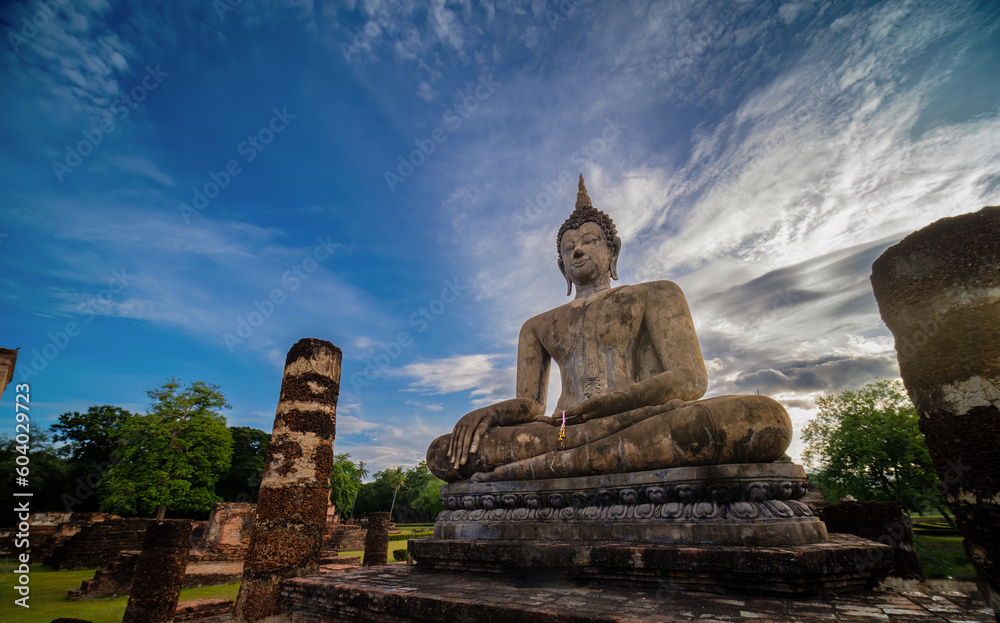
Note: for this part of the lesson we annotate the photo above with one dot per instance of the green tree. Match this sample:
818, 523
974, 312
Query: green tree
172, 456
241, 482
411, 506
47, 473
344, 484
414, 498
89, 436
396, 480
866, 444
428, 502
375, 495
90, 446
362, 473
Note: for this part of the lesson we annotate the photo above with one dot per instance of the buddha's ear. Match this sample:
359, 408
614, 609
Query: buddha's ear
616, 248
562, 269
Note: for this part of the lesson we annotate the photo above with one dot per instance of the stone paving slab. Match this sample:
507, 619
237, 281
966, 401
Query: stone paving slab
402, 593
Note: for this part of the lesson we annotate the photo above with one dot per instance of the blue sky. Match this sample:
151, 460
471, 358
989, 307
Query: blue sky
189, 189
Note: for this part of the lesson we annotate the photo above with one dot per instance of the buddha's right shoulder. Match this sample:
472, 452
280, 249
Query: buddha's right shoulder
544, 318
534, 321
660, 288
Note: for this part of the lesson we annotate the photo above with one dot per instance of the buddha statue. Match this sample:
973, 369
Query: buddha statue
632, 378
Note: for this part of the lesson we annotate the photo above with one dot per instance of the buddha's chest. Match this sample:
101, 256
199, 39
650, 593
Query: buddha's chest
603, 330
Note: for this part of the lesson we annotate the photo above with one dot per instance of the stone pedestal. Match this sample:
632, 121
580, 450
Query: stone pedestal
719, 528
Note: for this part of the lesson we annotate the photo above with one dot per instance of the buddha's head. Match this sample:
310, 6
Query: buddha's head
588, 244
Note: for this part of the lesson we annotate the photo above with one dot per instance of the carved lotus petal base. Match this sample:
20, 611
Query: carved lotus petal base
741, 504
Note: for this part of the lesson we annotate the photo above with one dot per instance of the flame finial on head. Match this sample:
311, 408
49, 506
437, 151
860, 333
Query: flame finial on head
585, 212
582, 198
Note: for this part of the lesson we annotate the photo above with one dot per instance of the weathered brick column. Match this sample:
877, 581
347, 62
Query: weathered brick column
287, 537
938, 291
377, 540
159, 572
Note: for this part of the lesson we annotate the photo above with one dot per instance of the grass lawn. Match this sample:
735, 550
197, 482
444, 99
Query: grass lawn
940, 550
48, 592
48, 598
943, 557
394, 545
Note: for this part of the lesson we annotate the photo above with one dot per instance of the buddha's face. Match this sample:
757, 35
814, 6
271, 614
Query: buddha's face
585, 254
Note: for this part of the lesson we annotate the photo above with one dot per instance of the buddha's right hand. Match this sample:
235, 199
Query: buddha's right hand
469, 430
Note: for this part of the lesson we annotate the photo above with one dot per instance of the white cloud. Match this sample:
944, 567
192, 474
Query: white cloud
477, 374
426, 92
350, 425
140, 166
446, 24
428, 407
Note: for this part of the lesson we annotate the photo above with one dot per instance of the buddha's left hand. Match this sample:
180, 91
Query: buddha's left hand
598, 407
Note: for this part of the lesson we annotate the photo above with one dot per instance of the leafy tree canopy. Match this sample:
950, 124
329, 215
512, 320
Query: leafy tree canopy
172, 456
90, 450
422, 495
375, 495
345, 481
50, 482
241, 483
89, 436
416, 491
427, 503
396, 480
866, 443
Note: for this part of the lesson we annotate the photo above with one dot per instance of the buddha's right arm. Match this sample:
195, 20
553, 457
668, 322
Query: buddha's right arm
532, 385
533, 363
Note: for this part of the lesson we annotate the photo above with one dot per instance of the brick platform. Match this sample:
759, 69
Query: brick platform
202, 610
845, 563
403, 594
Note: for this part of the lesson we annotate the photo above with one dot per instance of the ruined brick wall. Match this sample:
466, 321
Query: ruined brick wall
346, 538
203, 610
228, 529
97, 545
49, 530
117, 578
111, 582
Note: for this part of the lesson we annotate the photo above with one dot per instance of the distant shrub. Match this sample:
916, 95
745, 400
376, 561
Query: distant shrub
399, 554
412, 535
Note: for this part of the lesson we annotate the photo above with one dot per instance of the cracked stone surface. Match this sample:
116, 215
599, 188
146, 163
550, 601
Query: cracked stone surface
402, 593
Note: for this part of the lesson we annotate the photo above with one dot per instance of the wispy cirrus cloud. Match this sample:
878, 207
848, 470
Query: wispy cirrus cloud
478, 374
